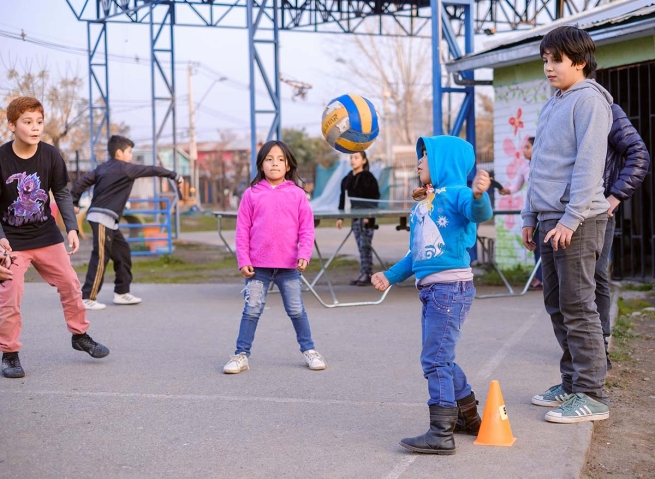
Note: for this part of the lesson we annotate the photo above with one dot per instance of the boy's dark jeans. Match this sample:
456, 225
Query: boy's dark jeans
569, 297
603, 301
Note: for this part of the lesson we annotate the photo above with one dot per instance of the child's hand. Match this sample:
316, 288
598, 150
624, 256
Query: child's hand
481, 183
73, 242
6, 259
380, 281
527, 236
561, 236
302, 265
339, 224
76, 209
5, 273
247, 271
4, 243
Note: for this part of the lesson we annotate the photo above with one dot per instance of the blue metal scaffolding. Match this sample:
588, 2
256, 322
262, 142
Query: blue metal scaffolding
452, 23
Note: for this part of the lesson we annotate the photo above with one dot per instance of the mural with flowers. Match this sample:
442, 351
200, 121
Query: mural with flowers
516, 111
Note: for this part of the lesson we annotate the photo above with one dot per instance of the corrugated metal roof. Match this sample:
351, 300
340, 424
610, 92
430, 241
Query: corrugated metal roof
617, 21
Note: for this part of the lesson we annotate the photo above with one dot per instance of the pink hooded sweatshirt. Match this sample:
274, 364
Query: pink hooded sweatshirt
275, 226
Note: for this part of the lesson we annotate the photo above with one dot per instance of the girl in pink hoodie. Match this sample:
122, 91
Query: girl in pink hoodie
274, 242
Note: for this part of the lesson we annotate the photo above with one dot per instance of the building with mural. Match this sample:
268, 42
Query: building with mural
624, 33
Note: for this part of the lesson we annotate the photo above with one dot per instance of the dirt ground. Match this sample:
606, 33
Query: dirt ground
624, 445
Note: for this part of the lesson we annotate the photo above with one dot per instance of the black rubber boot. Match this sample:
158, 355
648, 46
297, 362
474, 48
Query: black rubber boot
468, 419
439, 438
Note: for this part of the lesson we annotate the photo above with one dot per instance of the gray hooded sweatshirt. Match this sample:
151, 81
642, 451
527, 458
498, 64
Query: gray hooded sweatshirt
568, 159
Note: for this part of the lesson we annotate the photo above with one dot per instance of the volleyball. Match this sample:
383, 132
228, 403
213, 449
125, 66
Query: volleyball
350, 123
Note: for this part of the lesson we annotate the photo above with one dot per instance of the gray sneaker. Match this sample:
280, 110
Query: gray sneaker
551, 398
579, 408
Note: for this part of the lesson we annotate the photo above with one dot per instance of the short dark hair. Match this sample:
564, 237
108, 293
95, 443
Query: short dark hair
292, 163
531, 140
117, 142
363, 153
572, 42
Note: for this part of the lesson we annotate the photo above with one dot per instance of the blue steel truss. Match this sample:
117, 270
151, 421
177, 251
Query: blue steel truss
454, 20
98, 84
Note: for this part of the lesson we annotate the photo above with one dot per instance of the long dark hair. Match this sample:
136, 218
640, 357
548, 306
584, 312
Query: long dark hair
291, 175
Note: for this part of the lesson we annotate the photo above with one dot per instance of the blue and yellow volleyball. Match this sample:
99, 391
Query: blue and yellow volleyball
350, 123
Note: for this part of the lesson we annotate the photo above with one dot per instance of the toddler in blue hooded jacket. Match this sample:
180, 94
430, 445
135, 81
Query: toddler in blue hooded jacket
442, 229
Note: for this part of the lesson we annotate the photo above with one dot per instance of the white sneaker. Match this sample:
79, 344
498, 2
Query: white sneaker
315, 361
126, 298
93, 305
236, 364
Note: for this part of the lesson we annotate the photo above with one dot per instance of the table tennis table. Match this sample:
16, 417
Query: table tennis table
401, 214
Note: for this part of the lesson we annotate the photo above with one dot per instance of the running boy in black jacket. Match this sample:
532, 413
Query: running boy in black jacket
113, 182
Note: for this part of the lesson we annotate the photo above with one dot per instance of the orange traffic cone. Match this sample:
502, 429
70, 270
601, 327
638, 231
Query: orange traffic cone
495, 429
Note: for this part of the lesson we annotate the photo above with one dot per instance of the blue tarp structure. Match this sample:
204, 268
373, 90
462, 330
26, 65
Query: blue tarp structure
328, 184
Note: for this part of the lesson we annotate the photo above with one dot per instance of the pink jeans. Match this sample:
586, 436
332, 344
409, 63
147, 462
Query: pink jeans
54, 266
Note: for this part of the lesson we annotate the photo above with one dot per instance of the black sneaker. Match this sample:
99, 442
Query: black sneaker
83, 342
11, 367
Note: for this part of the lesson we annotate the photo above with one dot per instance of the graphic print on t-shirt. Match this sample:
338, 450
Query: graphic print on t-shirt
28, 207
428, 242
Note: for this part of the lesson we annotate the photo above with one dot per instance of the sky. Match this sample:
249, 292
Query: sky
222, 53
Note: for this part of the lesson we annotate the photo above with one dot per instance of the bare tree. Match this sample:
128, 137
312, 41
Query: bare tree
484, 127
66, 111
398, 68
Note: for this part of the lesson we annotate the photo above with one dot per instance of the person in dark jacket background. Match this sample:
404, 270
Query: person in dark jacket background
625, 169
360, 183
113, 182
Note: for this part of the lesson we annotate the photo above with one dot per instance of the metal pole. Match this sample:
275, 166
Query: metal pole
77, 165
193, 145
251, 56
437, 110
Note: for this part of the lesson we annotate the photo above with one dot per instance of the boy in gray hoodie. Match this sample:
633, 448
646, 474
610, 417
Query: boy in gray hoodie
565, 194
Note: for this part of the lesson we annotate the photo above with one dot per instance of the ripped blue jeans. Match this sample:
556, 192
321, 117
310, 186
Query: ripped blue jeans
288, 282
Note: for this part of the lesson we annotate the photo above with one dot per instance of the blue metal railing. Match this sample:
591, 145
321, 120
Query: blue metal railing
162, 212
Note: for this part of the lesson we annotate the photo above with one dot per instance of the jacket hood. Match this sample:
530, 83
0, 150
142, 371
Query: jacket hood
264, 185
588, 84
450, 159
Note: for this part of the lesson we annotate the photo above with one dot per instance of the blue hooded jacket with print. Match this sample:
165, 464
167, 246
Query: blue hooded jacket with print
442, 226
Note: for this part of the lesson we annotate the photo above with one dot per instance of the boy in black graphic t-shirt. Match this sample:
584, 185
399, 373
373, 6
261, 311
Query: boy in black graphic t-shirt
29, 170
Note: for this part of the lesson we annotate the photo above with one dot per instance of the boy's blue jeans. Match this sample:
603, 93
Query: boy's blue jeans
288, 282
445, 307
569, 296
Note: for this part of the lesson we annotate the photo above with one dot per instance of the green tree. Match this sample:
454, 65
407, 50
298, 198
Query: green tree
309, 150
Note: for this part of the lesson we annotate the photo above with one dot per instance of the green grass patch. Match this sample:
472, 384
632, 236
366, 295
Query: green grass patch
516, 276
205, 222
629, 306
622, 337
171, 264
167, 265
637, 287
338, 263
